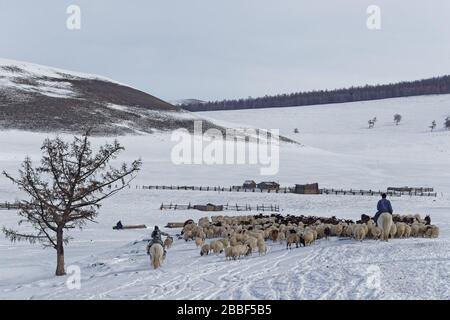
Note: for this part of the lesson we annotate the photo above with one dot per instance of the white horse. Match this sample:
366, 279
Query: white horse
156, 255
384, 221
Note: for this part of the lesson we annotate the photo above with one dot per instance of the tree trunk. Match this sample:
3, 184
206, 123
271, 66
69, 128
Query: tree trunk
60, 271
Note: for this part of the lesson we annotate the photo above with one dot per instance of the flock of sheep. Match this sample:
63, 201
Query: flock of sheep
240, 236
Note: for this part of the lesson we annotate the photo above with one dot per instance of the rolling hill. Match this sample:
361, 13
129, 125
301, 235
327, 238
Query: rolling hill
45, 99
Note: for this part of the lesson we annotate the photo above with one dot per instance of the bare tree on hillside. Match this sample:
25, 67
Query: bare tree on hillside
397, 119
66, 190
447, 123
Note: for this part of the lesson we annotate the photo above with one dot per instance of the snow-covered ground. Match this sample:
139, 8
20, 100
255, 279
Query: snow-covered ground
337, 151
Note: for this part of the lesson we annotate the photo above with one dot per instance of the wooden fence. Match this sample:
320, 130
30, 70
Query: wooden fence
228, 207
327, 191
376, 192
221, 189
9, 206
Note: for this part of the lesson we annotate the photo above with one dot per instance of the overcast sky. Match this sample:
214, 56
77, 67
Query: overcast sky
215, 49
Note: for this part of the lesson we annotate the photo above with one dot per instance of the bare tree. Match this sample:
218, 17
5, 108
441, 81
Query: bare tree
66, 190
397, 119
433, 125
447, 123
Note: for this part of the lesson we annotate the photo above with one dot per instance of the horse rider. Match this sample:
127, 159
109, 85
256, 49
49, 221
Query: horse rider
156, 238
384, 205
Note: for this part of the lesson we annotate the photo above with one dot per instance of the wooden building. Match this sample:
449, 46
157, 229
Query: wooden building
209, 207
249, 184
268, 185
312, 188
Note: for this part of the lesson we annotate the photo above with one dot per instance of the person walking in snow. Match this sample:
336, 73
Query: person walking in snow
384, 205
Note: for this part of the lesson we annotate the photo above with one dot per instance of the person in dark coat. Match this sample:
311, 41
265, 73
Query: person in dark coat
118, 226
384, 205
156, 238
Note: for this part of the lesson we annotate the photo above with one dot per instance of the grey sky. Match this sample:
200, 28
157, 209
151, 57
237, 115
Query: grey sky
211, 49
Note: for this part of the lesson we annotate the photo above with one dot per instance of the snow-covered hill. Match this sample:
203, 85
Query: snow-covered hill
339, 151
40, 98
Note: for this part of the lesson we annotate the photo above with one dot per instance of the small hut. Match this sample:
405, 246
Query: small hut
268, 185
209, 207
312, 188
249, 184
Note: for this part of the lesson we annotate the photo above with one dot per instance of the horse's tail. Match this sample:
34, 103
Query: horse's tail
156, 254
386, 224
156, 262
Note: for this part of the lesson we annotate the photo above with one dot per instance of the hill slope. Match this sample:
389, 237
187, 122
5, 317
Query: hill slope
39, 98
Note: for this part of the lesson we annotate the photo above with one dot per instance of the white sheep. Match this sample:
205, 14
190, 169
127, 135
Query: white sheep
281, 236
308, 237
376, 232
393, 231
407, 231
415, 229
320, 229
225, 242
205, 250
228, 253
217, 246
401, 228
336, 230
348, 231
359, 232
188, 235
262, 248
239, 251
199, 242
252, 243
292, 238
432, 231
418, 229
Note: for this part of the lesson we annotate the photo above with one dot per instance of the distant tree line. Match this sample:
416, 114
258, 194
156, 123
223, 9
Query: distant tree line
437, 85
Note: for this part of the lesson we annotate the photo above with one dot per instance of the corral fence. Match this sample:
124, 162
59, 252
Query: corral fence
327, 191
377, 192
221, 189
9, 206
225, 207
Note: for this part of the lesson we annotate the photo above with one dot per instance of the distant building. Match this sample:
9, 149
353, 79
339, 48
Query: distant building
268, 185
209, 207
249, 184
312, 188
